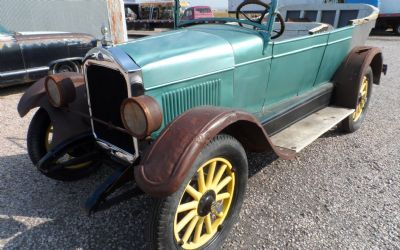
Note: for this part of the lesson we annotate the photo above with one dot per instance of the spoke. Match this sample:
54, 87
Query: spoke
193, 192
185, 220
187, 206
245, 15
199, 229
217, 178
208, 224
201, 181
222, 184
223, 196
190, 229
210, 174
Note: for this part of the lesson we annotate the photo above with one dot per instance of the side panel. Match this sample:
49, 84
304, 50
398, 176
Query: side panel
339, 45
295, 65
211, 90
250, 85
38, 51
252, 64
12, 68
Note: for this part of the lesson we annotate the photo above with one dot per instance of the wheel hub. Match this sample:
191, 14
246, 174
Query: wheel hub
206, 202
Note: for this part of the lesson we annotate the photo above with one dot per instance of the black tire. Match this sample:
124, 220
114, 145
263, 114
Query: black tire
36, 145
350, 125
162, 222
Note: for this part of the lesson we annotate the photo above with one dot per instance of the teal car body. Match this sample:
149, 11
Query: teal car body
176, 112
233, 66
233, 63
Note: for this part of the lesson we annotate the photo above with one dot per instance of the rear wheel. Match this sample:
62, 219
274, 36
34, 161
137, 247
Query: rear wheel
354, 121
39, 139
202, 212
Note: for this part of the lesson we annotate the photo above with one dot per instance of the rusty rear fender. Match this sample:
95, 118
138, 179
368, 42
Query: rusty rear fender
348, 77
167, 162
67, 122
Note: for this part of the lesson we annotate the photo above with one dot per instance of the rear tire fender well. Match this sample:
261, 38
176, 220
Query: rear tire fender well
167, 162
348, 77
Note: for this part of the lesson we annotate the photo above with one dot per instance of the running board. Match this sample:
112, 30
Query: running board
304, 132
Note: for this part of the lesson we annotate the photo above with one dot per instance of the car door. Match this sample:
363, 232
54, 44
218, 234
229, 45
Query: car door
12, 68
294, 66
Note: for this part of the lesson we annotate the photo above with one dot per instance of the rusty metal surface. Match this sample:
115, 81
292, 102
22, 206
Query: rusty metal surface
348, 77
67, 122
116, 17
168, 160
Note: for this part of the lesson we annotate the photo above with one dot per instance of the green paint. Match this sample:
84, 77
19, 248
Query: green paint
231, 66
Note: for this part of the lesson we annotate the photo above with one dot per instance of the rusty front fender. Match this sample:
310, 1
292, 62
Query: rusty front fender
167, 162
349, 75
67, 122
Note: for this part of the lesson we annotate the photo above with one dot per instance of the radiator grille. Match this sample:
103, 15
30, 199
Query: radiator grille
178, 101
107, 90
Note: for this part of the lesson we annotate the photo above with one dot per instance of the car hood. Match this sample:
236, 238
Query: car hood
183, 54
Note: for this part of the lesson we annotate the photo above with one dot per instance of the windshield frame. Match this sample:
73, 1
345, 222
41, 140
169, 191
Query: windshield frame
218, 20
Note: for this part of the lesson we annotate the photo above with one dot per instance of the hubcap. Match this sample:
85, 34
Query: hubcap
362, 99
205, 204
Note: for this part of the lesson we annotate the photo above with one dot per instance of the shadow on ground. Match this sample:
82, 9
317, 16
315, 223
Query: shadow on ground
10, 90
53, 210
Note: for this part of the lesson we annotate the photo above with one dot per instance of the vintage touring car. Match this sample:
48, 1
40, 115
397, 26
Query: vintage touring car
176, 113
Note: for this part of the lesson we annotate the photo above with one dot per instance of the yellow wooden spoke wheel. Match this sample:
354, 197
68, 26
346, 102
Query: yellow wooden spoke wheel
354, 121
202, 212
363, 97
205, 204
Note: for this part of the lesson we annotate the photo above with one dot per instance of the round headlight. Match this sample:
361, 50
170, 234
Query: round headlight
53, 92
60, 88
141, 116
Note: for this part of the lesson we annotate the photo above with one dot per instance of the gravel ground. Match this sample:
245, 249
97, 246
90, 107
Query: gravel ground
342, 191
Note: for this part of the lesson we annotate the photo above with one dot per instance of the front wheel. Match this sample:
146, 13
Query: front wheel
202, 212
354, 121
39, 142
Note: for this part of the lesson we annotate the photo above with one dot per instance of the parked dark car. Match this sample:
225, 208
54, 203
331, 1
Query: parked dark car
29, 56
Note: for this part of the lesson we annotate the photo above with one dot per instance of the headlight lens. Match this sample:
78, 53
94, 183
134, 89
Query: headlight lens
141, 116
60, 88
53, 92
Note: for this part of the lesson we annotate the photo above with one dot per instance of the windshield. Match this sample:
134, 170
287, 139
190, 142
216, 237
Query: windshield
225, 11
151, 16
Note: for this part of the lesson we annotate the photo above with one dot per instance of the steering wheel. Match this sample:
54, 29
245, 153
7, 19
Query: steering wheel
261, 18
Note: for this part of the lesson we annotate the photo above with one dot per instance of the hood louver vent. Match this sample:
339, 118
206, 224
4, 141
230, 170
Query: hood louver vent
178, 101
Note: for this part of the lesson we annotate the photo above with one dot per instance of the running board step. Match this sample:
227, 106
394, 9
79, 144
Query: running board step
304, 132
